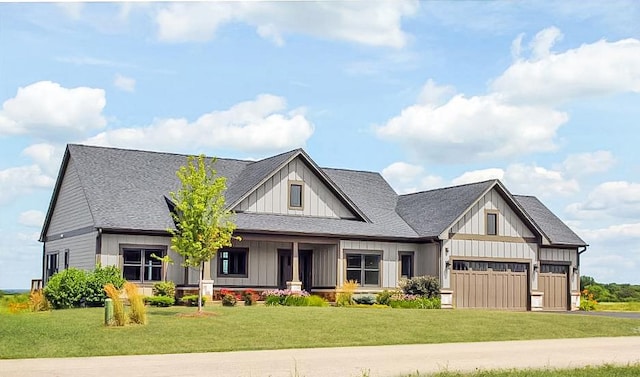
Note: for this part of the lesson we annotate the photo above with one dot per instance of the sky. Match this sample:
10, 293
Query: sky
542, 95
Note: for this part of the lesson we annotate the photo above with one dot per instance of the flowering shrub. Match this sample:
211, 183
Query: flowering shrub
587, 302
285, 297
228, 297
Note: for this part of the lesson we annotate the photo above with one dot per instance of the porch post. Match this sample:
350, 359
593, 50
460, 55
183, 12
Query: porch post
207, 281
295, 284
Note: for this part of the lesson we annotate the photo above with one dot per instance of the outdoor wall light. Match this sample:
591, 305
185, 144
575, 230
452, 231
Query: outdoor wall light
535, 267
576, 269
447, 264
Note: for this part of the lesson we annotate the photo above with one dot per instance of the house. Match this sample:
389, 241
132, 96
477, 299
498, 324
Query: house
312, 228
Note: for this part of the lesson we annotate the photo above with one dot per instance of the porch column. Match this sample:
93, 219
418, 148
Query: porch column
206, 281
295, 284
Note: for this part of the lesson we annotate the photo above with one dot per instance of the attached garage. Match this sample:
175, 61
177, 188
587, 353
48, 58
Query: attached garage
554, 283
490, 285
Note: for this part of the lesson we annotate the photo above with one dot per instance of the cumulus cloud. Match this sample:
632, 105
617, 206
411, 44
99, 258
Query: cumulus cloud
31, 218
595, 69
479, 176
479, 127
539, 181
588, 163
47, 156
124, 83
406, 178
615, 199
375, 24
20, 180
261, 125
47, 109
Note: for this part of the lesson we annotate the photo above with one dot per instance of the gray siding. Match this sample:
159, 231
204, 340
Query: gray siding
82, 251
272, 196
427, 260
509, 223
71, 211
324, 265
262, 267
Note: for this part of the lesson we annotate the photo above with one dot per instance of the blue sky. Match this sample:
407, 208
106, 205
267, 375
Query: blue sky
543, 95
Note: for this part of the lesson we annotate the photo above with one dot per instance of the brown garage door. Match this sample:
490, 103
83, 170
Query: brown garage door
490, 285
554, 283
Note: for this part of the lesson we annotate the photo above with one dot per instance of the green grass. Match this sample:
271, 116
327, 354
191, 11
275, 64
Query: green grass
79, 332
600, 371
618, 306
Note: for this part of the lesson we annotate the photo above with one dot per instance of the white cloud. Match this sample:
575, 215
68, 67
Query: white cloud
434, 94
595, 69
480, 127
374, 23
22, 180
47, 156
406, 178
72, 10
615, 233
125, 83
47, 109
615, 199
478, 176
261, 125
539, 181
31, 218
588, 163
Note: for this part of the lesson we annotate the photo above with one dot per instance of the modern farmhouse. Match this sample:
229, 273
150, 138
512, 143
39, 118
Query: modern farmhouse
312, 228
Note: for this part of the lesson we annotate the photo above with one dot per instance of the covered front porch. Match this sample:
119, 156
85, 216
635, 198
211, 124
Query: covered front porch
263, 262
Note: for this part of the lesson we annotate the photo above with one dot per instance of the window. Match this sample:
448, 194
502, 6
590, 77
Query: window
364, 268
406, 265
553, 268
492, 223
295, 195
140, 265
232, 262
51, 265
486, 266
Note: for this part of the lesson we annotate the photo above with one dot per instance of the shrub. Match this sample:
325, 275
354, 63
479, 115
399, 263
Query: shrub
384, 297
587, 302
96, 280
427, 286
138, 313
192, 300
364, 299
37, 302
161, 301
316, 301
416, 302
345, 296
164, 288
119, 318
67, 288
282, 297
250, 297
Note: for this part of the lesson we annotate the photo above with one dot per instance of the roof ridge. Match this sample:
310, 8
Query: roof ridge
160, 152
350, 170
450, 187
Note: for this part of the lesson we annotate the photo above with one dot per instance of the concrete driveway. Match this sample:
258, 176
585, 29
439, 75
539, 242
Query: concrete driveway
350, 361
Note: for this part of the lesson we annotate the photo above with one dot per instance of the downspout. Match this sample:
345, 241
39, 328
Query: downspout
99, 247
44, 267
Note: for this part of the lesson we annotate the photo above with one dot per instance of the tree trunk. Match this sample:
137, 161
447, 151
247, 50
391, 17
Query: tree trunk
200, 288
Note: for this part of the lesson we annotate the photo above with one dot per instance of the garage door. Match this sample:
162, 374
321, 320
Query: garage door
554, 283
490, 285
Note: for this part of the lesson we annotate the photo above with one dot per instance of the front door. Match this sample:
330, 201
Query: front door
285, 268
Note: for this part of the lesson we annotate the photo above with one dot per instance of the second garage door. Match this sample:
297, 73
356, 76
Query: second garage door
490, 285
554, 283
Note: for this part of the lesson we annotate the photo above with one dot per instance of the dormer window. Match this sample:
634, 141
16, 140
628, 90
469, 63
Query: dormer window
492, 223
295, 194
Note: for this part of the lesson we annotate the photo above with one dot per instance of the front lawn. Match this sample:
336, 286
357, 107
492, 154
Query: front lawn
600, 371
79, 332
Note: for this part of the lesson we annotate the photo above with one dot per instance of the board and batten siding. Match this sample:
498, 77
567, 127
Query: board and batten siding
82, 251
262, 265
273, 195
426, 260
110, 253
509, 223
71, 211
551, 255
324, 265
390, 266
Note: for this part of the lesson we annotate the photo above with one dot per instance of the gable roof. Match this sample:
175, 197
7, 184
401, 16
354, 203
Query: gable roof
431, 212
127, 189
555, 229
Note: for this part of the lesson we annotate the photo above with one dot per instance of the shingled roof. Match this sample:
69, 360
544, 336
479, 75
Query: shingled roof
555, 229
126, 190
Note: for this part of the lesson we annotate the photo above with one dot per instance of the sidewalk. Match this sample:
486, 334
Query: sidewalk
379, 361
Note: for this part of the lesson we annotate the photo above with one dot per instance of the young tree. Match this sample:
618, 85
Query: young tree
203, 225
